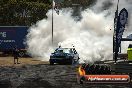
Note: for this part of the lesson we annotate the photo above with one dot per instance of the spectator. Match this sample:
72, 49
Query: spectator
15, 54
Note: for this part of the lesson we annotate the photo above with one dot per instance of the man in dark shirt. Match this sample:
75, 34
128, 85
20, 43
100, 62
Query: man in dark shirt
15, 53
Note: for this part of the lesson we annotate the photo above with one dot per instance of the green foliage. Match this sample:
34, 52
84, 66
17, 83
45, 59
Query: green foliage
27, 12
22, 12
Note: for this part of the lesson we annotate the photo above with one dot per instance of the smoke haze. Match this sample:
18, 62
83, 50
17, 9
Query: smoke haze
91, 35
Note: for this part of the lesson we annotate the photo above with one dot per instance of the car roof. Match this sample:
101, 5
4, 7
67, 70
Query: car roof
64, 48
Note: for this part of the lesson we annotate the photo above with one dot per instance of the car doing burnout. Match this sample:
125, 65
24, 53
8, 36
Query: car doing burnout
64, 56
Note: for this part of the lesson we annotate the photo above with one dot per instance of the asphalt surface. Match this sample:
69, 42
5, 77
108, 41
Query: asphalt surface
45, 76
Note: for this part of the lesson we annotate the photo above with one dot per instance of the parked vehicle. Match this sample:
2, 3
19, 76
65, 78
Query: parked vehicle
11, 36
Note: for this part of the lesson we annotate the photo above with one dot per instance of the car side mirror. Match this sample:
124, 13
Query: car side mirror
75, 52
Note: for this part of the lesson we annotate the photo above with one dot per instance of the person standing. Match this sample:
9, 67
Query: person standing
15, 54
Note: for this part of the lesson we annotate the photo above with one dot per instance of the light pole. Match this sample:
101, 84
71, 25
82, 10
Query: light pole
115, 44
53, 7
52, 21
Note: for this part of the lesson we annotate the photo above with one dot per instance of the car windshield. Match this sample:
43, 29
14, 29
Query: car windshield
63, 50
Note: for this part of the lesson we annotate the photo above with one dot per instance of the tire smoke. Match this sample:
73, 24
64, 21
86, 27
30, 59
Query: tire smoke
92, 35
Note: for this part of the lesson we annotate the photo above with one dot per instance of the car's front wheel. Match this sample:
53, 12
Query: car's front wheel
51, 63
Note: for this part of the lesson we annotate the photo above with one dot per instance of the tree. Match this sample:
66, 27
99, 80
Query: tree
27, 12
22, 12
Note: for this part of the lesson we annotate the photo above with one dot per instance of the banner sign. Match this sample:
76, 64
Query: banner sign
122, 20
107, 78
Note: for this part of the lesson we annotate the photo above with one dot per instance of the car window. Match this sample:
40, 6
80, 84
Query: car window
71, 51
63, 50
58, 51
66, 50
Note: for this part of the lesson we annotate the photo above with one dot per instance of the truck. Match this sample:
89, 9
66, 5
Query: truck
11, 36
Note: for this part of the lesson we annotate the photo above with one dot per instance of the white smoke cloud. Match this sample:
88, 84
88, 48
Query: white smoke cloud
91, 36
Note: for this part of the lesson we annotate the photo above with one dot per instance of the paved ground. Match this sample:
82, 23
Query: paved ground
38, 74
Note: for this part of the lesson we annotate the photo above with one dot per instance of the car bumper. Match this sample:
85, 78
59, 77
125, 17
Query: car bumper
61, 60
